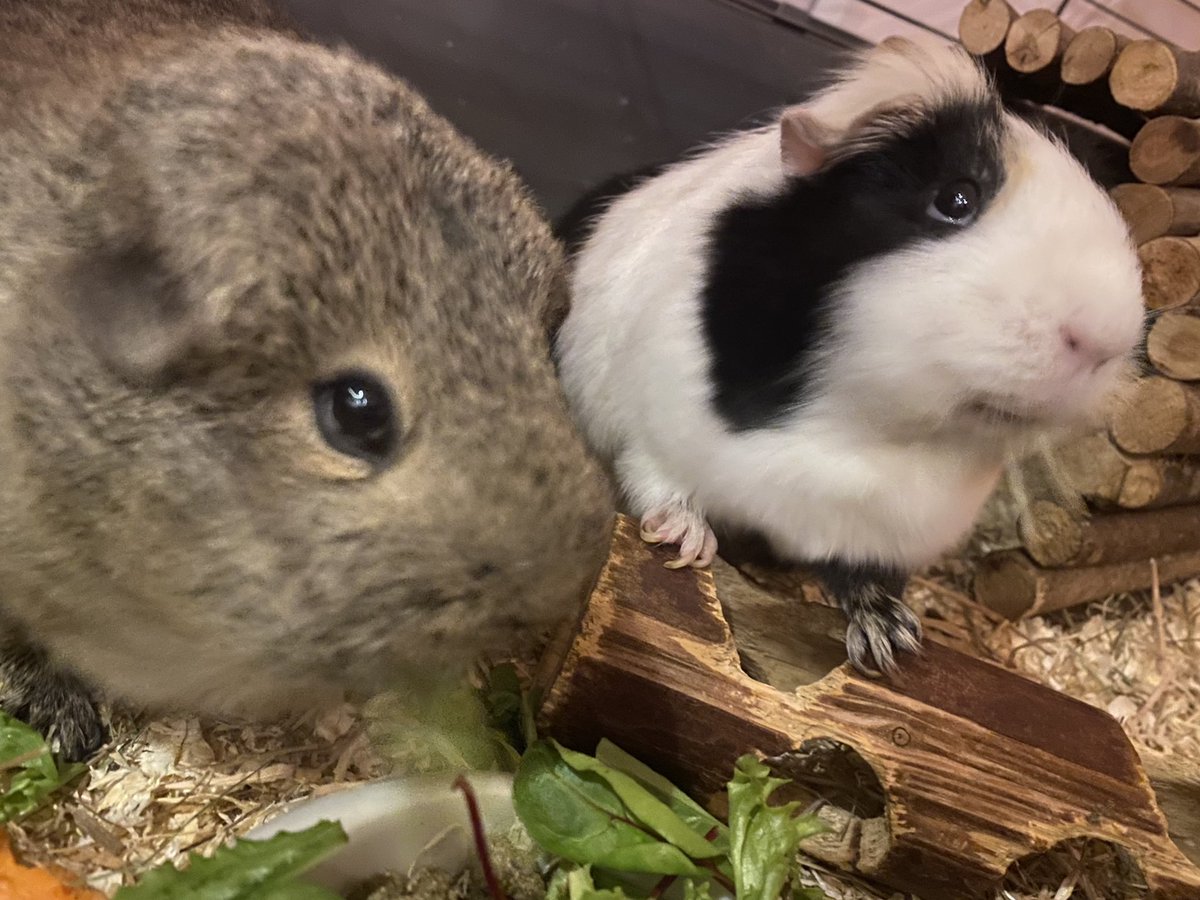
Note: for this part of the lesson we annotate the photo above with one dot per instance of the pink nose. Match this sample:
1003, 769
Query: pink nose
1091, 349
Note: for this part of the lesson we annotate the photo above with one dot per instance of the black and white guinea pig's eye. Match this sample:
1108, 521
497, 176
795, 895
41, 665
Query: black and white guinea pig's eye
356, 416
956, 203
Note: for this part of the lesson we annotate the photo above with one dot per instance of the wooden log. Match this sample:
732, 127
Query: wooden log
976, 765
1167, 151
1173, 345
1161, 416
1095, 468
1108, 478
984, 25
1170, 271
1153, 211
1156, 77
1036, 41
1090, 55
1160, 481
1014, 585
1055, 537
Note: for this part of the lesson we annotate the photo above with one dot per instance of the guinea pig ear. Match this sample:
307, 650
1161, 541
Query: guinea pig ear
134, 306
804, 142
131, 311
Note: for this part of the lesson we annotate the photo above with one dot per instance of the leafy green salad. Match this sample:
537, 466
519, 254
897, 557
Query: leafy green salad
591, 827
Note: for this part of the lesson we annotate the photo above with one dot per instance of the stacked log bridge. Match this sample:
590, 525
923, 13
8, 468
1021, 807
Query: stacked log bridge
1141, 475
1038, 57
1141, 481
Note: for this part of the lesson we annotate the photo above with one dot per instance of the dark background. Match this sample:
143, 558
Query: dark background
574, 91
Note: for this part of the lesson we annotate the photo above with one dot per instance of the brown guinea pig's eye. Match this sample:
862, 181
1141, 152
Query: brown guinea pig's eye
356, 416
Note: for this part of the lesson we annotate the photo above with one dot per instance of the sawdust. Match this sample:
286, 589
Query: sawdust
165, 787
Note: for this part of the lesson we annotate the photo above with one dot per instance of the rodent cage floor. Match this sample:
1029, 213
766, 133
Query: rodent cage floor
165, 787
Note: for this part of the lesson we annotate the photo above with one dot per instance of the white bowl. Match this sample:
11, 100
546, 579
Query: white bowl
395, 823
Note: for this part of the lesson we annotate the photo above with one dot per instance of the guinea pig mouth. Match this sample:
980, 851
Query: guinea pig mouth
995, 411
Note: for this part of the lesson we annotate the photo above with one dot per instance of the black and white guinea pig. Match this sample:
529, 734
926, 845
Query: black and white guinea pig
834, 331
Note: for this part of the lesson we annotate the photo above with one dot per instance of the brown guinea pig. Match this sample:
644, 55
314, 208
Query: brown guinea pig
277, 410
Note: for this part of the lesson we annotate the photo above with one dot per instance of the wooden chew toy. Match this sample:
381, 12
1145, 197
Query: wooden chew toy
1108, 478
1036, 41
1156, 77
1154, 211
1173, 345
1014, 586
983, 26
1170, 271
1167, 151
1056, 536
1163, 416
1090, 55
962, 767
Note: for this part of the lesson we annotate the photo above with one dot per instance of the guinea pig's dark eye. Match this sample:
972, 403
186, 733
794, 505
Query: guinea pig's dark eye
956, 203
356, 417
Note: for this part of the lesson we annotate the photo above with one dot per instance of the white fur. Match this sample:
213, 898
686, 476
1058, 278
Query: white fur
881, 464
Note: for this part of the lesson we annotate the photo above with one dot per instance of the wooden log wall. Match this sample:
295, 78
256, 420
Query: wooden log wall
1141, 476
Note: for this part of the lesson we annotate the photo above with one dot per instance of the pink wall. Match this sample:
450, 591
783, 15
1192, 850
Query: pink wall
1178, 20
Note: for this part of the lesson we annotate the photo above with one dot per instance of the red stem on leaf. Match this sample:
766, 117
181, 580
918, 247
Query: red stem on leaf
481, 845
661, 888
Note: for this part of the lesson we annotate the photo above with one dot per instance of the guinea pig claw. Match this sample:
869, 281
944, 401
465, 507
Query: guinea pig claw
874, 636
681, 523
708, 552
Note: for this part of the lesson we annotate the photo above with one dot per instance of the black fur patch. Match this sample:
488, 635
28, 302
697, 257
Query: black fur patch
879, 625
775, 263
575, 225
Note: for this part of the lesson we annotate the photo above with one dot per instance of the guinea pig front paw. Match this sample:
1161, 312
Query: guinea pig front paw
680, 522
59, 706
878, 629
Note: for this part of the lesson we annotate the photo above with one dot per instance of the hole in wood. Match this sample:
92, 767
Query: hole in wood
1177, 788
833, 779
829, 772
1080, 868
783, 637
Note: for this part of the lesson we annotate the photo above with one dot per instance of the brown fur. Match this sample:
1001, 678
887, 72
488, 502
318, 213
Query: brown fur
198, 221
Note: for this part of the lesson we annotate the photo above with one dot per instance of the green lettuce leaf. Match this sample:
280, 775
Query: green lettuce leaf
700, 820
28, 771
577, 884
248, 870
763, 839
578, 815
644, 806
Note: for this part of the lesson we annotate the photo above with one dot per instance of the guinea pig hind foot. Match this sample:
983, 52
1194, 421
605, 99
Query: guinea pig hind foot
681, 522
53, 702
880, 625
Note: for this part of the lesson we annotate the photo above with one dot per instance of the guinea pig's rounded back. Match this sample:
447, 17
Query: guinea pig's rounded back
287, 391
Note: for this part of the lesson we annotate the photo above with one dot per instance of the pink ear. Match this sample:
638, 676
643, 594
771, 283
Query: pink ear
802, 142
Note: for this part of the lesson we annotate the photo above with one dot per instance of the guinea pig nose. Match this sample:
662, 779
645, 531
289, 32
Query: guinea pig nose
1089, 349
